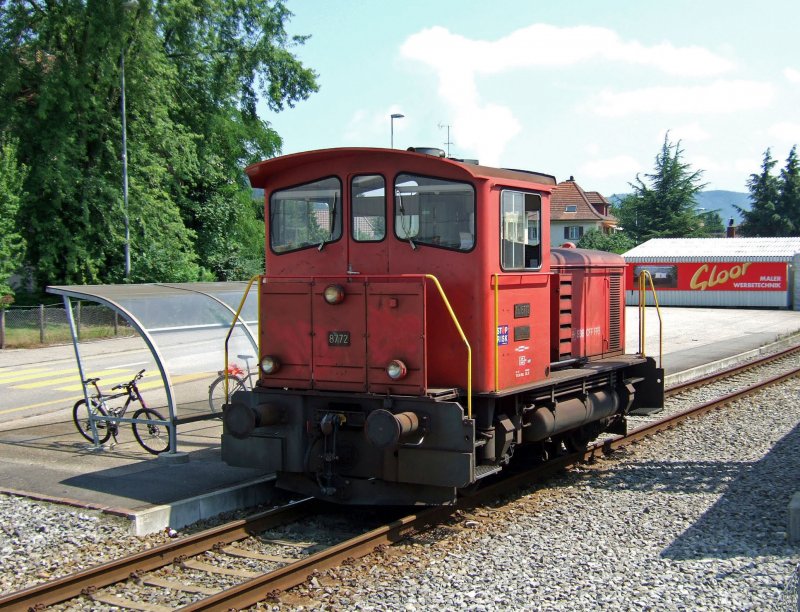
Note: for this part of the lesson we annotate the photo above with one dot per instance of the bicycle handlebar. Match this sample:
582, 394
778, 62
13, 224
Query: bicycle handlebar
128, 385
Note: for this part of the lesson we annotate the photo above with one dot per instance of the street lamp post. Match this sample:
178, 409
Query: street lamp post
125, 172
129, 5
393, 117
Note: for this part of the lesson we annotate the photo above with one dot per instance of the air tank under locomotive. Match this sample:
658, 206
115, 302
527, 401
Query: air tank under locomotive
415, 328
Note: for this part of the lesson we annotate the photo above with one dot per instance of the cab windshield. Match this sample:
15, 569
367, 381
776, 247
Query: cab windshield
306, 215
435, 212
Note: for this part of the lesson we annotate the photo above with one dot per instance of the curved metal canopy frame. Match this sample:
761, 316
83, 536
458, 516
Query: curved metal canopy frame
113, 296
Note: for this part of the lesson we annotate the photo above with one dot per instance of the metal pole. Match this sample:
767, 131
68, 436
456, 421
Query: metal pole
125, 170
74, 333
392, 117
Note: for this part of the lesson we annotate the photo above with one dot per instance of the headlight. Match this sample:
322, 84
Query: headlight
270, 364
334, 294
396, 369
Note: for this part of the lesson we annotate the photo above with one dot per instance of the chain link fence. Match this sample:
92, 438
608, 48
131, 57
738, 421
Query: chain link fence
790, 596
22, 326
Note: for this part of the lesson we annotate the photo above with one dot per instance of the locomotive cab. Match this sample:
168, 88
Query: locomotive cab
415, 328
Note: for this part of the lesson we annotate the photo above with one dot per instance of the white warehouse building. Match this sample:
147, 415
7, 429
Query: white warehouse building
725, 272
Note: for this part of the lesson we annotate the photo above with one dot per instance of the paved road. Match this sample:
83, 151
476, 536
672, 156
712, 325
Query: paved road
46, 380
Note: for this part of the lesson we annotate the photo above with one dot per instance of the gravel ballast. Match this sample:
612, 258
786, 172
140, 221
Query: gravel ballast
693, 518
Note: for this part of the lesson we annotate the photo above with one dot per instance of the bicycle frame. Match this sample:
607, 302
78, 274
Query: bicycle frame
118, 416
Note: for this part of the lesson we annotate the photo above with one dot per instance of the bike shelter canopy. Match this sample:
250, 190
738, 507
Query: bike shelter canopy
183, 326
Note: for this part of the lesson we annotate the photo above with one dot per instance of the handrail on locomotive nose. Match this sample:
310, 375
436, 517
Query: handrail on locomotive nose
644, 276
429, 277
233, 325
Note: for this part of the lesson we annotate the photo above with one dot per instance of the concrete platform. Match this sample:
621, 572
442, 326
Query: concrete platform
43, 456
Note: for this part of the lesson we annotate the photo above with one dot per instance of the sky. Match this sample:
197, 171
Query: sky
575, 88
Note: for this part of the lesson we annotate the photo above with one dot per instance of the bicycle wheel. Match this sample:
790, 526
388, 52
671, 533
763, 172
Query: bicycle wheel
153, 438
80, 415
216, 392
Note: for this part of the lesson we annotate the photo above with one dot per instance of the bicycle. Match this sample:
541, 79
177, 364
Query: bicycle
238, 380
152, 437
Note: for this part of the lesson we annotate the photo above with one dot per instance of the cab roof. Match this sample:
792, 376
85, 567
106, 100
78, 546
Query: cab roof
260, 172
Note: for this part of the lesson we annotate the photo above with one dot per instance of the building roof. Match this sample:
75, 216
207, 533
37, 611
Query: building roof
714, 249
569, 193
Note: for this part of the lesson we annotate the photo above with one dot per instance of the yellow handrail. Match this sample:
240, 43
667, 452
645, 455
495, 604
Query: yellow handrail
644, 276
233, 324
431, 277
496, 327
463, 337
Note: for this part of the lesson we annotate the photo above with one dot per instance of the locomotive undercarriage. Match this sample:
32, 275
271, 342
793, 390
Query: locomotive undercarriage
372, 449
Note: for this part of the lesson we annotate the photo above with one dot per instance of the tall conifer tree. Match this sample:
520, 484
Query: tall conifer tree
664, 205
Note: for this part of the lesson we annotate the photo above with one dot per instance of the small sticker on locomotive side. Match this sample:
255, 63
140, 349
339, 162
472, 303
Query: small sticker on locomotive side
502, 335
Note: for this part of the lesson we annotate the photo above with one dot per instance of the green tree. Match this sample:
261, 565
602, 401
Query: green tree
712, 223
616, 242
12, 245
664, 206
194, 71
763, 218
789, 195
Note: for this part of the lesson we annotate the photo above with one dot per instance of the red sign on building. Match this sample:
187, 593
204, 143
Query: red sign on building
713, 276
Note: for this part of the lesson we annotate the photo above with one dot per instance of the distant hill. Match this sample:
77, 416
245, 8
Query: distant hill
721, 201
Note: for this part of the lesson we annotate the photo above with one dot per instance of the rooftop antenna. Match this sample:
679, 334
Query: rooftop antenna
447, 142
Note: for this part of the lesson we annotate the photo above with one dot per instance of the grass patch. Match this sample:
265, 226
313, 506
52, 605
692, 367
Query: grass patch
30, 337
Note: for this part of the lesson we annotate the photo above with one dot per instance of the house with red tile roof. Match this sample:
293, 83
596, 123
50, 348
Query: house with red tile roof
573, 212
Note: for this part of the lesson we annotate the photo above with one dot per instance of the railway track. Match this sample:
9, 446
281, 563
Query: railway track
264, 583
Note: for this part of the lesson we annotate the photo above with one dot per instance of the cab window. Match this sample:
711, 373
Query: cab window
306, 215
520, 227
435, 212
368, 193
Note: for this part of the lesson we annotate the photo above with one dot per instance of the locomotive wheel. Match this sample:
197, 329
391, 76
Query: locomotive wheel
470, 490
577, 440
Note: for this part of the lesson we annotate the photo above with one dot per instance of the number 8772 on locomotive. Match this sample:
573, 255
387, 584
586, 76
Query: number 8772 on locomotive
416, 328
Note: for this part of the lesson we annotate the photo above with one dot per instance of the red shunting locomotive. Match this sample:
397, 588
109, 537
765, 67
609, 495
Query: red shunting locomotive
416, 328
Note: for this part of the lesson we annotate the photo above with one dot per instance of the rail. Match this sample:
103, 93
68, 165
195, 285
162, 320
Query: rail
644, 276
291, 573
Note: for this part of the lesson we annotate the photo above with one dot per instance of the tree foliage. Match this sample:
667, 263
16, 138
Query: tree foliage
762, 219
712, 222
12, 245
664, 206
194, 72
775, 200
616, 242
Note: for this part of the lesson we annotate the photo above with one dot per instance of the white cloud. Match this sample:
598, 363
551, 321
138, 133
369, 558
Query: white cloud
488, 127
621, 166
792, 75
691, 132
550, 46
714, 98
746, 166
785, 131
373, 126
708, 165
